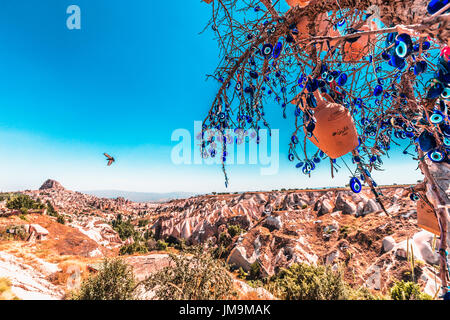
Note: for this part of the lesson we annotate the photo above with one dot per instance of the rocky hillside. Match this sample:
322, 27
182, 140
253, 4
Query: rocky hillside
269, 229
333, 227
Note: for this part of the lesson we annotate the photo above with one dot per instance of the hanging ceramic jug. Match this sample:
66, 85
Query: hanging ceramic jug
335, 132
357, 50
426, 218
301, 3
324, 25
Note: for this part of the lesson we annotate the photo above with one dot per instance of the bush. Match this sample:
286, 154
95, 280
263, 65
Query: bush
305, 282
51, 210
114, 281
22, 201
406, 290
235, 230
143, 223
125, 229
191, 277
255, 271
161, 245
61, 219
136, 247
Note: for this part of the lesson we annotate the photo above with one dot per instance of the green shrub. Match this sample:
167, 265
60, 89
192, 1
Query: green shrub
161, 245
125, 229
51, 210
136, 247
143, 223
22, 201
255, 271
235, 230
61, 219
406, 290
114, 281
191, 277
305, 282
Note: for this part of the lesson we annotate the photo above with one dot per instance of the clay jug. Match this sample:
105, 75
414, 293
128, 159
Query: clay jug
324, 28
335, 132
426, 218
360, 48
301, 3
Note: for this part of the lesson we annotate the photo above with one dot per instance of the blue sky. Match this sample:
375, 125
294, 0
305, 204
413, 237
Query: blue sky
134, 73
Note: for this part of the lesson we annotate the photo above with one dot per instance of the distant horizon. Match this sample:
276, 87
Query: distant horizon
199, 193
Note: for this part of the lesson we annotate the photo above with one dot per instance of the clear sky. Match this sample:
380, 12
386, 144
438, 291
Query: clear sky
134, 73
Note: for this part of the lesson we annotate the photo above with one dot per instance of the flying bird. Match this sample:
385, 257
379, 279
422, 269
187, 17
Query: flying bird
109, 158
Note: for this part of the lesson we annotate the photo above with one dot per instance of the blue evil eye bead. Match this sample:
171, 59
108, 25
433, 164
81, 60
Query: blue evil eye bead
305, 170
414, 196
324, 75
356, 159
300, 164
437, 117
248, 90
420, 67
378, 90
341, 23
355, 185
291, 157
322, 154
311, 101
312, 85
238, 86
267, 50
253, 74
445, 129
403, 45
445, 93
442, 76
310, 128
385, 56
436, 5
294, 139
364, 122
321, 83
426, 45
436, 155
277, 50
289, 38
373, 159
446, 141
342, 79
397, 61
329, 78
390, 38
435, 90
427, 141
316, 159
